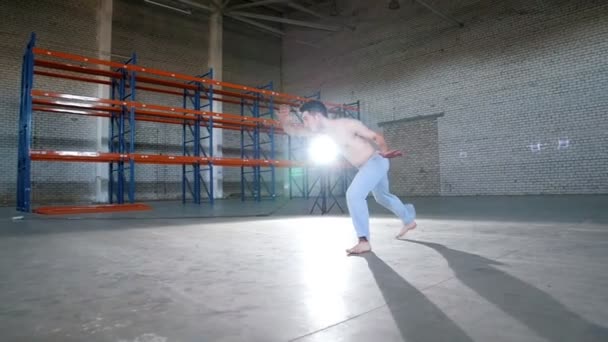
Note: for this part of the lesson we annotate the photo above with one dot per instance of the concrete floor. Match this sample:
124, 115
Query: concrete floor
476, 269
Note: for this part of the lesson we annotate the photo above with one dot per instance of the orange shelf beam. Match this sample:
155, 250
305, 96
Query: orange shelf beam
143, 79
148, 80
80, 108
72, 156
145, 88
150, 109
91, 209
101, 157
182, 77
87, 111
152, 80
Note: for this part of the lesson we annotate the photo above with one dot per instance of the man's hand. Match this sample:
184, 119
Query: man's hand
361, 130
288, 126
391, 154
379, 140
284, 111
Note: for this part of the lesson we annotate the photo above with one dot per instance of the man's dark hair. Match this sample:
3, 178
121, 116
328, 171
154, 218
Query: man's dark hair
314, 107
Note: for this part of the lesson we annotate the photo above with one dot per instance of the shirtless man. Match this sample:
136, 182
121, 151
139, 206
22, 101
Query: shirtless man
355, 142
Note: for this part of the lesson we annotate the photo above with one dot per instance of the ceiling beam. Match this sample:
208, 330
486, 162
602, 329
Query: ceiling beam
197, 5
185, 11
306, 10
255, 4
439, 13
315, 13
256, 24
308, 24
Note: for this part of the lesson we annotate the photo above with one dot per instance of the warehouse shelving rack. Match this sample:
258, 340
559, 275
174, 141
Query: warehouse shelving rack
195, 178
258, 143
127, 80
122, 136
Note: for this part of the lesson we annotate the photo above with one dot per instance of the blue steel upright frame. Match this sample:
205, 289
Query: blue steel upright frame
24, 162
193, 176
258, 143
122, 136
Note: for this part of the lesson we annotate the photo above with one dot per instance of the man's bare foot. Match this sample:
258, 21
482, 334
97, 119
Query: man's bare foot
406, 228
361, 247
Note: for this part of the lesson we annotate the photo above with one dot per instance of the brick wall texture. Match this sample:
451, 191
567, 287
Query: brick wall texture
521, 85
162, 39
69, 26
417, 172
517, 79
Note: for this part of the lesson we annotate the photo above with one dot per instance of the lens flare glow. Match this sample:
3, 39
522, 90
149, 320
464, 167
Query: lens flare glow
322, 150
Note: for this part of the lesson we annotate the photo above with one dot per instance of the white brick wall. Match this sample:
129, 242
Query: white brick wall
417, 173
77, 35
516, 75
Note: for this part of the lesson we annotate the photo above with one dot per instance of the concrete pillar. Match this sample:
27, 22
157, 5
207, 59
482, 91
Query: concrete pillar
104, 48
215, 62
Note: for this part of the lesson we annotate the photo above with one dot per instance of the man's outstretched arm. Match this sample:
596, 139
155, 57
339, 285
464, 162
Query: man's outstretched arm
288, 126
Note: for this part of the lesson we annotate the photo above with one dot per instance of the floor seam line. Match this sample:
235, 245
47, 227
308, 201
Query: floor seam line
363, 313
337, 323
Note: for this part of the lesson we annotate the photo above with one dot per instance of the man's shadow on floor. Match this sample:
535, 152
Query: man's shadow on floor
417, 317
537, 310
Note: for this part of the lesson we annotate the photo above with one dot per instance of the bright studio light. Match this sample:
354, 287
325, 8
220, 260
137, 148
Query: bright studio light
322, 150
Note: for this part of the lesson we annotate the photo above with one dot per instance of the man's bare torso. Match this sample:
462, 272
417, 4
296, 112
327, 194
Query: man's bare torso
354, 148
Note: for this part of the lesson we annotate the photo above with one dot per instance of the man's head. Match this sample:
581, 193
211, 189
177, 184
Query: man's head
313, 113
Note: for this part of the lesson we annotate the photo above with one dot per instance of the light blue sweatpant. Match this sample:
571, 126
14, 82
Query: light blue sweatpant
373, 176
